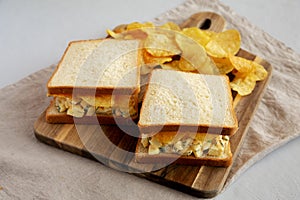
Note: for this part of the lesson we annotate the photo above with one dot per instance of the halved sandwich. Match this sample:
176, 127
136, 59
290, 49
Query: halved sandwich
186, 118
96, 81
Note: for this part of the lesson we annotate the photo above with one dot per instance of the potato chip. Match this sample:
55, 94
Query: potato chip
200, 36
194, 56
246, 74
186, 66
242, 65
160, 45
259, 72
114, 34
214, 49
137, 25
153, 61
171, 65
224, 65
224, 44
210, 33
120, 28
128, 35
170, 26
243, 85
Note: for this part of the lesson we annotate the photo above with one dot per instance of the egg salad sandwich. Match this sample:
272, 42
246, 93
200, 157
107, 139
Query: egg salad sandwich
96, 81
186, 118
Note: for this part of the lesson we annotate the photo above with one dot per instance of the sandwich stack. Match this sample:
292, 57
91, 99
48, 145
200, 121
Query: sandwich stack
96, 81
186, 118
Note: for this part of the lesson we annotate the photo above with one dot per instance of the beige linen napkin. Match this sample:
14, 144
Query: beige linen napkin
32, 170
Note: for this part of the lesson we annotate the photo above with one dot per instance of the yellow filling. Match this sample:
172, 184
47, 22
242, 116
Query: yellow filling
124, 106
199, 145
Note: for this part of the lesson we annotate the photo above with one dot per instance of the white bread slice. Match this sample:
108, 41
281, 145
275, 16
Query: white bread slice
187, 101
96, 67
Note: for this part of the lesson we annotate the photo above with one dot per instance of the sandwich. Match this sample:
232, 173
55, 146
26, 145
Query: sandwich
96, 81
186, 118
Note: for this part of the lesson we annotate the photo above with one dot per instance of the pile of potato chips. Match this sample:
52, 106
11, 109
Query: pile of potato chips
193, 50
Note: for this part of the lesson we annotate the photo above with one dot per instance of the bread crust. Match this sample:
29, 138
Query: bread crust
55, 117
142, 156
187, 128
90, 91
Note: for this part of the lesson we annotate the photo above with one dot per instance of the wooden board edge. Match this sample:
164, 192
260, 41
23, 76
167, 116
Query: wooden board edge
178, 187
67, 148
52, 142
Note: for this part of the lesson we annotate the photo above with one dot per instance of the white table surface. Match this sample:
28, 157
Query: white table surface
34, 34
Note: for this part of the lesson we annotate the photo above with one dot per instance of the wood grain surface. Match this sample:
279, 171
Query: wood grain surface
111, 146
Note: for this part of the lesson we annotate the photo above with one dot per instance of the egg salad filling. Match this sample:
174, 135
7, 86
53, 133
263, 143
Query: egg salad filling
198, 145
120, 106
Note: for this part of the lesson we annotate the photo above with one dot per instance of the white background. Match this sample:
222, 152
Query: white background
34, 34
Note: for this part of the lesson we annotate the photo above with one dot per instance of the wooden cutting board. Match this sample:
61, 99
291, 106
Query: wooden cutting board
112, 147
